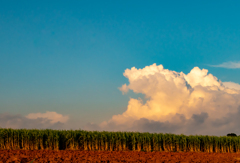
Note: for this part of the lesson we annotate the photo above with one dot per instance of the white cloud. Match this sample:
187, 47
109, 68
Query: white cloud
53, 117
193, 103
123, 89
232, 85
17, 121
230, 65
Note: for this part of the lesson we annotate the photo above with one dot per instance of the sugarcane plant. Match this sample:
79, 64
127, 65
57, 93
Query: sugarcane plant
114, 141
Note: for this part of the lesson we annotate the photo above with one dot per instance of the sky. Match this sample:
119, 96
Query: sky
103, 65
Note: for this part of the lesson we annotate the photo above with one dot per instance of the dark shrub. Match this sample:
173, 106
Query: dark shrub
231, 134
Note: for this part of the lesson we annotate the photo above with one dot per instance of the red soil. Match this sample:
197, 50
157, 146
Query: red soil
25, 156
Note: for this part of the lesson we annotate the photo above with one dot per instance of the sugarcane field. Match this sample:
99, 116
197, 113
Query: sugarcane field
22, 145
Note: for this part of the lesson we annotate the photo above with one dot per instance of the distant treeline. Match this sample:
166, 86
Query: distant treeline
114, 141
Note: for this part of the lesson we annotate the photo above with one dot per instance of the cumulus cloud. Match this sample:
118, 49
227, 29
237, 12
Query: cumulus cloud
232, 85
50, 120
123, 89
193, 103
230, 65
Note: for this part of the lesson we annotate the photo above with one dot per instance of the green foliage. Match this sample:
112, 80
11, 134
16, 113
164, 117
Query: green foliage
114, 141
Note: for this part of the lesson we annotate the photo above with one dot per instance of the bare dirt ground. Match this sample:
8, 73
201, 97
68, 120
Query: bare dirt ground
49, 156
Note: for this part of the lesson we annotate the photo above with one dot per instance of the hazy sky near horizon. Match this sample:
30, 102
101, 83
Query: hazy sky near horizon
66, 59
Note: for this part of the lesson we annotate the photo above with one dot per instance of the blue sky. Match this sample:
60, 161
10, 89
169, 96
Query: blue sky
69, 57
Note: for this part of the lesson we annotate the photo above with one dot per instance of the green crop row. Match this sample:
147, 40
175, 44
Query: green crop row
113, 141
